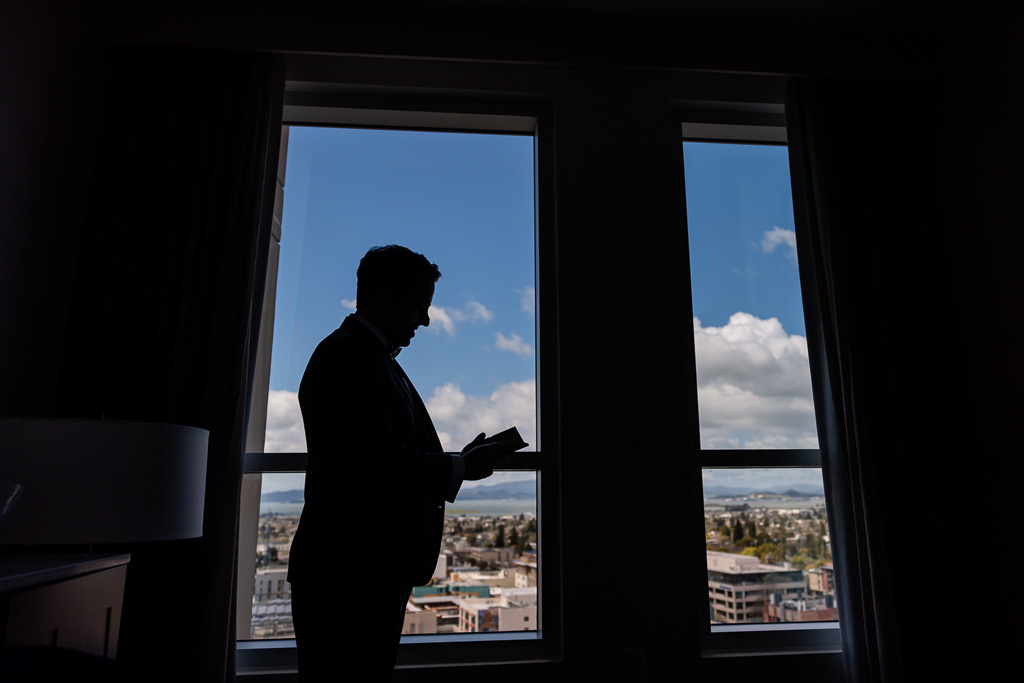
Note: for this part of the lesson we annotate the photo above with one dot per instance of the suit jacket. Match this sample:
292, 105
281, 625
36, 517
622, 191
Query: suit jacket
376, 476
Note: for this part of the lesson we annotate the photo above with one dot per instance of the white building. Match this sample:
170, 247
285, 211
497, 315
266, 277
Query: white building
526, 570
514, 609
441, 568
419, 621
272, 584
499, 578
739, 587
271, 604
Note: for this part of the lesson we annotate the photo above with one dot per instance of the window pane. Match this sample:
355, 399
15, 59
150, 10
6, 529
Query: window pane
753, 375
486, 578
466, 201
280, 507
769, 553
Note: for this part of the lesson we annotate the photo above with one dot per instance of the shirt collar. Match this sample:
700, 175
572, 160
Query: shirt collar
391, 351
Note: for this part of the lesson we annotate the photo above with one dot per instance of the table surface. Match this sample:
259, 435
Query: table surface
25, 571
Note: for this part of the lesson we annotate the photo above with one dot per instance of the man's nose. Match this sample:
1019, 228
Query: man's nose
425, 319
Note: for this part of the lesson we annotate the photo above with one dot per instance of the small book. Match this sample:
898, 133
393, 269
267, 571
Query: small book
509, 437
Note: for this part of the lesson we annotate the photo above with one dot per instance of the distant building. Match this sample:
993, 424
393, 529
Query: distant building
801, 610
493, 556
821, 581
739, 587
442, 607
454, 590
277, 551
526, 570
272, 619
441, 568
498, 578
419, 620
272, 604
272, 584
512, 610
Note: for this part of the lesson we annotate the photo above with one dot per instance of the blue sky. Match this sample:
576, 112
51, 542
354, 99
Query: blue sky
753, 375
734, 195
466, 201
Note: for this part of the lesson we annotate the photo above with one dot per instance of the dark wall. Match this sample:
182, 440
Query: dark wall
609, 85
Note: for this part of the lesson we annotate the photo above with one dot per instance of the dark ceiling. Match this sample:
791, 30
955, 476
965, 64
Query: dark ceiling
881, 16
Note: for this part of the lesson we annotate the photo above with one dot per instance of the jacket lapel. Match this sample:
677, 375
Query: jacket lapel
426, 434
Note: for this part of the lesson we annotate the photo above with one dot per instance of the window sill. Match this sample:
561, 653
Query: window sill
278, 656
753, 640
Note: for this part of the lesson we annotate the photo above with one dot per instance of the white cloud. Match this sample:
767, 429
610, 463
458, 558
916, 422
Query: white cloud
284, 424
440, 321
459, 417
473, 311
779, 236
529, 300
445, 318
753, 385
513, 343
349, 304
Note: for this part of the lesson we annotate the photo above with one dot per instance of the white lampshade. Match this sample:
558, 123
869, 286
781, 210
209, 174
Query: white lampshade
102, 481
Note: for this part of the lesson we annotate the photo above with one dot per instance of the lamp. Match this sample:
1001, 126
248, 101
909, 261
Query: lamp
94, 482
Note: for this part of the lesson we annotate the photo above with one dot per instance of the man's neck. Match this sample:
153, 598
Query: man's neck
376, 331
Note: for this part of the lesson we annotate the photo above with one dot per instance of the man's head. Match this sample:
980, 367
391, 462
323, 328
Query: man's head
394, 289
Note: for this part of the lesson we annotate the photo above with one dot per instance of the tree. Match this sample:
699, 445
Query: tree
499, 538
769, 553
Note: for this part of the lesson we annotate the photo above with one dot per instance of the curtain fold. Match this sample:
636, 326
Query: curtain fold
166, 312
863, 160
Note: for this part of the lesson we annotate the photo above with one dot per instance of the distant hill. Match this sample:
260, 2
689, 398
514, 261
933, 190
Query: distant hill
516, 490
282, 497
790, 491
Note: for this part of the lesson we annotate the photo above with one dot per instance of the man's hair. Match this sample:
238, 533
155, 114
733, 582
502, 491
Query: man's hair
394, 267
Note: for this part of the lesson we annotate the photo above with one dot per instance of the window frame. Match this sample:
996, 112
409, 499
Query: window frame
758, 124
326, 105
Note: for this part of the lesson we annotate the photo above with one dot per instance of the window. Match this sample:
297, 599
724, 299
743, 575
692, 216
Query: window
766, 542
463, 190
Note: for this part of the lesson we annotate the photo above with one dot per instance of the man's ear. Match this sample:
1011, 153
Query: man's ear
386, 298
381, 300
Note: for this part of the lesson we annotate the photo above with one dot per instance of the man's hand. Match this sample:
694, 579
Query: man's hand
482, 456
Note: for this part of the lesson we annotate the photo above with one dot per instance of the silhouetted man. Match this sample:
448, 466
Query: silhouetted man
376, 478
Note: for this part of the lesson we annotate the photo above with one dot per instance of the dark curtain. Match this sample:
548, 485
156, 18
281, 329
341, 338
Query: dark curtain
874, 243
166, 312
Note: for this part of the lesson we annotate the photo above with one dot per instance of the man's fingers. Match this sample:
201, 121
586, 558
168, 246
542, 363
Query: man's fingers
474, 443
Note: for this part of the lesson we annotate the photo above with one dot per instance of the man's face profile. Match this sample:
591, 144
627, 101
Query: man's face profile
409, 311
